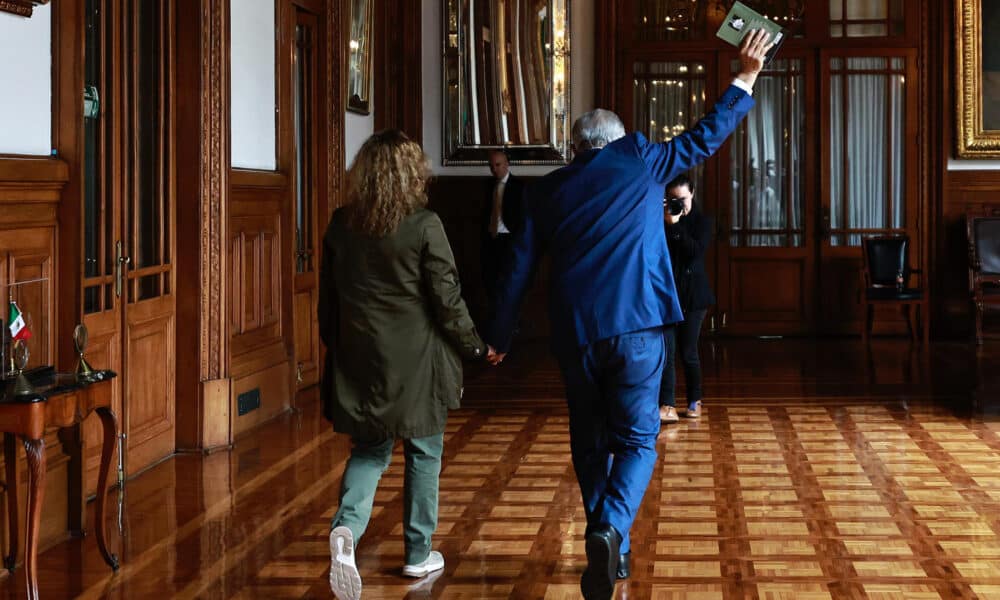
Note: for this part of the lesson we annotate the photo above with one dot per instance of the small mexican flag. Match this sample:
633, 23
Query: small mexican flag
18, 328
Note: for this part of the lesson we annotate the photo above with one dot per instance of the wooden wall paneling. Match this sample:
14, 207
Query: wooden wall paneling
336, 81
67, 129
398, 96
214, 219
607, 53
203, 167
151, 410
35, 195
458, 201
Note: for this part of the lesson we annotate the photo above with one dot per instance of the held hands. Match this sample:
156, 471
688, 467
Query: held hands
752, 51
493, 357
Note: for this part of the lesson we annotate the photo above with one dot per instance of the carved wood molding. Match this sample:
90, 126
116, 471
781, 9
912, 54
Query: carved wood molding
214, 330
336, 91
23, 8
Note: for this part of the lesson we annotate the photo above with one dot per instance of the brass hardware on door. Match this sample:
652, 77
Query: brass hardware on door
724, 315
826, 221
298, 373
120, 262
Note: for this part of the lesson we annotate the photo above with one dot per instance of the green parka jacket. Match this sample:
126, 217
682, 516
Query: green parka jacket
394, 324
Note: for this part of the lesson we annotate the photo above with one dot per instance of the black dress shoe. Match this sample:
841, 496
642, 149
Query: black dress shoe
598, 580
624, 568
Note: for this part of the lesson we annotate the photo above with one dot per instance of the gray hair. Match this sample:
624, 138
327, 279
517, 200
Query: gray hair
597, 129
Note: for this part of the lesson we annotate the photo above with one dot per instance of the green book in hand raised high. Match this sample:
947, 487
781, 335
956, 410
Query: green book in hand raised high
741, 20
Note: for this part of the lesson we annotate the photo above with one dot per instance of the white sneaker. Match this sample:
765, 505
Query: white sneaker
345, 581
434, 562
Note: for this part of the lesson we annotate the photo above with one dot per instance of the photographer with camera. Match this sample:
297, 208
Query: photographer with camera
689, 232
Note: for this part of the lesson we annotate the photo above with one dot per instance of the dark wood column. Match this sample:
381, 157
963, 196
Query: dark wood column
398, 96
203, 419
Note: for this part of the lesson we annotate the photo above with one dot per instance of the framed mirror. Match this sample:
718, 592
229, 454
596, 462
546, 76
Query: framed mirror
359, 53
977, 79
506, 81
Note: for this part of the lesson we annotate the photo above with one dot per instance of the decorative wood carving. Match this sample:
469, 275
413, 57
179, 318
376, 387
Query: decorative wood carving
335, 103
214, 331
23, 8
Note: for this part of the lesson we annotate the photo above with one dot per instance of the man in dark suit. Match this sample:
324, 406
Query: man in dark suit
502, 218
601, 220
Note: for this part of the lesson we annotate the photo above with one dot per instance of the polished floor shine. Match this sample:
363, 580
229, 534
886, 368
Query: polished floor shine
819, 470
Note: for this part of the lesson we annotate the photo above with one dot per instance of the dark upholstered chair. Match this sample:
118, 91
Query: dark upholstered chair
886, 280
983, 229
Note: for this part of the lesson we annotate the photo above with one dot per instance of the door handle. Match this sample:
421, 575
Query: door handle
120, 262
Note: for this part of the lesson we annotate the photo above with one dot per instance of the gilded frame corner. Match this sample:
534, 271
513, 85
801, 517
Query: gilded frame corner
973, 138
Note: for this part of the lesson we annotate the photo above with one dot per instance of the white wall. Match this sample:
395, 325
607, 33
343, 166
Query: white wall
252, 86
582, 35
955, 164
357, 128
26, 83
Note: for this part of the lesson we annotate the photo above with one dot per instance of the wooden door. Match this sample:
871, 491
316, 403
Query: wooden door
869, 166
305, 188
128, 223
766, 212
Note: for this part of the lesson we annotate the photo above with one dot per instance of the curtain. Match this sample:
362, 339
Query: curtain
765, 169
870, 137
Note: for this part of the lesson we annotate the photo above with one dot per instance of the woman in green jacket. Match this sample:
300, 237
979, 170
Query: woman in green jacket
395, 327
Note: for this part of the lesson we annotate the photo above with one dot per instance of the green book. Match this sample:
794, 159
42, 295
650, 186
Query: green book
743, 19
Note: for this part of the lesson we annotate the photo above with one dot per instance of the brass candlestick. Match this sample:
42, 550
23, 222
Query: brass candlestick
19, 359
83, 368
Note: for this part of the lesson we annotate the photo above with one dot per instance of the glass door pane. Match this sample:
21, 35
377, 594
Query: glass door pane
766, 162
149, 272
98, 219
669, 97
867, 157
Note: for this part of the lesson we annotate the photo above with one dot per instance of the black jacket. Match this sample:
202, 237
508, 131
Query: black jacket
513, 205
688, 240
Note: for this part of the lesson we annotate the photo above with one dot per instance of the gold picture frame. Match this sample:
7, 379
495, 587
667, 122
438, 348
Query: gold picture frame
977, 80
361, 15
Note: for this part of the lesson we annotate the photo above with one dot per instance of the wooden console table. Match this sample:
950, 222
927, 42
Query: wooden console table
59, 401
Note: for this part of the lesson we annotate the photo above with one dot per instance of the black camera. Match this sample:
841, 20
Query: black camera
674, 206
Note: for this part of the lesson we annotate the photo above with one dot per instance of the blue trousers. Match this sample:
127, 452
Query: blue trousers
612, 388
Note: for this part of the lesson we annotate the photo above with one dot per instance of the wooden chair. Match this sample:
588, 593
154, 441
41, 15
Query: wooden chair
983, 231
886, 280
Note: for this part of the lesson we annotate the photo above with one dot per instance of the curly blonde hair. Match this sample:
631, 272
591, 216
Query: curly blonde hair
386, 183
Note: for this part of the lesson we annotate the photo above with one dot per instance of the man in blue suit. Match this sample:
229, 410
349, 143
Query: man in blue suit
601, 220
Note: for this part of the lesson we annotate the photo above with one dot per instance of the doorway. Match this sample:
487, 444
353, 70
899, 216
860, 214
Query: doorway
128, 221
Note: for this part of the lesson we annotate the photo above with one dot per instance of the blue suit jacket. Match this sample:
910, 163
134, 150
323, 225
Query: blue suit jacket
601, 220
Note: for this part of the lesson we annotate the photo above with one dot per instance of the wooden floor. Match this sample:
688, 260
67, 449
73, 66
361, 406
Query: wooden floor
820, 470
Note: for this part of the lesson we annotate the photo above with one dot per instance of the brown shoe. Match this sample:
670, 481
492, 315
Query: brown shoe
694, 414
668, 414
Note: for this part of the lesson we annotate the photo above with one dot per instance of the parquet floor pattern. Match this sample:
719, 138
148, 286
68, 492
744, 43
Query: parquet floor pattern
808, 477
748, 502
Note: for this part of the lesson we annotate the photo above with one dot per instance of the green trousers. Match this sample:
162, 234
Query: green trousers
369, 459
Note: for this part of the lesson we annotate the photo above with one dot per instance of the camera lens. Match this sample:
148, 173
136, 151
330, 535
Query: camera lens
675, 206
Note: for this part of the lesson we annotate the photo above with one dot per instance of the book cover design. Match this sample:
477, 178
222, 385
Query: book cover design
741, 20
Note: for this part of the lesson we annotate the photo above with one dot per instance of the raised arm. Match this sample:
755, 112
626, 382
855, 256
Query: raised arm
667, 159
